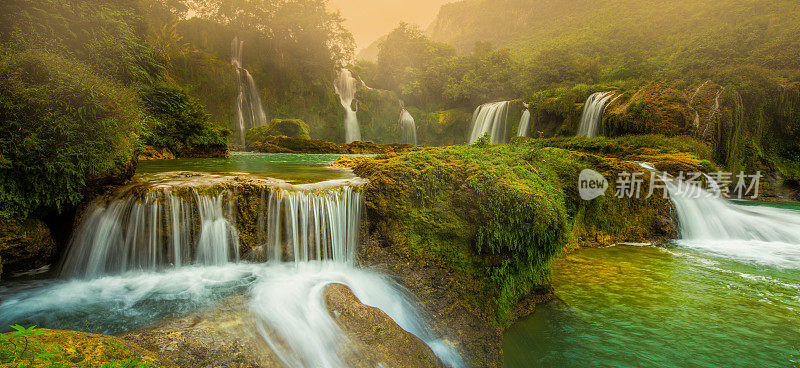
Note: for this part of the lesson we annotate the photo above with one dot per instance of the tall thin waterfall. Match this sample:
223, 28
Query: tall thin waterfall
760, 234
593, 114
159, 229
250, 111
409, 127
296, 226
524, 122
346, 87
490, 118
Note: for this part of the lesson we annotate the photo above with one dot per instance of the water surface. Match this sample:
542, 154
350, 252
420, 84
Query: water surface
292, 167
662, 307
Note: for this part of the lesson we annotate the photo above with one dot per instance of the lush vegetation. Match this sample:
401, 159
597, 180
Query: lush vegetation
31, 347
500, 213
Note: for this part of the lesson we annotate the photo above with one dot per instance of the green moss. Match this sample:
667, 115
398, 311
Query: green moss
29, 347
500, 213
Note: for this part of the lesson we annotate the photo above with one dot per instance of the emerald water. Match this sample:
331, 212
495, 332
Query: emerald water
630, 306
291, 167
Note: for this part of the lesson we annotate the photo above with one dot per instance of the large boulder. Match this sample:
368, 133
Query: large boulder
656, 108
292, 128
25, 244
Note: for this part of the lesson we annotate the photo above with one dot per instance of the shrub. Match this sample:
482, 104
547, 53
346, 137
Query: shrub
180, 123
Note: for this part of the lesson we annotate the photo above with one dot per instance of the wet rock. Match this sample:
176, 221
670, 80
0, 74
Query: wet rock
377, 339
25, 244
152, 153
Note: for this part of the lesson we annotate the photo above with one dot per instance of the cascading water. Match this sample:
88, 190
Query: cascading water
408, 126
309, 234
524, 122
760, 234
346, 87
315, 235
593, 114
159, 229
250, 111
489, 118
302, 227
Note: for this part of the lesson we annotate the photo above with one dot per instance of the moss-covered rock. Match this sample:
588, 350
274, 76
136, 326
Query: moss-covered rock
283, 144
656, 108
25, 244
292, 128
499, 214
52, 348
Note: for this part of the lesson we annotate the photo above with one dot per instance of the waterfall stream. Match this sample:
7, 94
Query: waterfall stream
346, 86
250, 111
408, 126
489, 118
524, 123
592, 115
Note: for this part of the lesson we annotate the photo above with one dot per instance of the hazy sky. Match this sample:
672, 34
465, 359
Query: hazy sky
370, 19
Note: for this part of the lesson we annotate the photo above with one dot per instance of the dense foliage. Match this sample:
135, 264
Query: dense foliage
61, 125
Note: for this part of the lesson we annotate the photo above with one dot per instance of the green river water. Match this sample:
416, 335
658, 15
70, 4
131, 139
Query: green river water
294, 168
629, 306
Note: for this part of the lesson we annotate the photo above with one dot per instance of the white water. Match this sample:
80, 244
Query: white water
250, 111
408, 126
593, 114
300, 227
489, 118
346, 87
310, 237
159, 229
758, 234
524, 122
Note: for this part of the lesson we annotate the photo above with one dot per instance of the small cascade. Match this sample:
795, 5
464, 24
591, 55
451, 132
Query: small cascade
296, 226
250, 111
408, 126
524, 122
346, 86
593, 114
760, 234
159, 229
490, 118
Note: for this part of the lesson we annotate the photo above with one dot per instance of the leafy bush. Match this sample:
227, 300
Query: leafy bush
61, 126
180, 123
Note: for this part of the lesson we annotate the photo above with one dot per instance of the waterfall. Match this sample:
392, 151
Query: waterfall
489, 118
592, 115
296, 226
408, 126
159, 229
346, 86
524, 121
752, 233
250, 111
309, 235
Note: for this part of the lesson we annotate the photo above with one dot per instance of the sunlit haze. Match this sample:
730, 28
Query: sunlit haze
370, 19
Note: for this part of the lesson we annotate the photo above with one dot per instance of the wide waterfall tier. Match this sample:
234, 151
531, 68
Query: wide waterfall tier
592, 115
211, 220
250, 110
408, 127
747, 232
346, 86
490, 119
